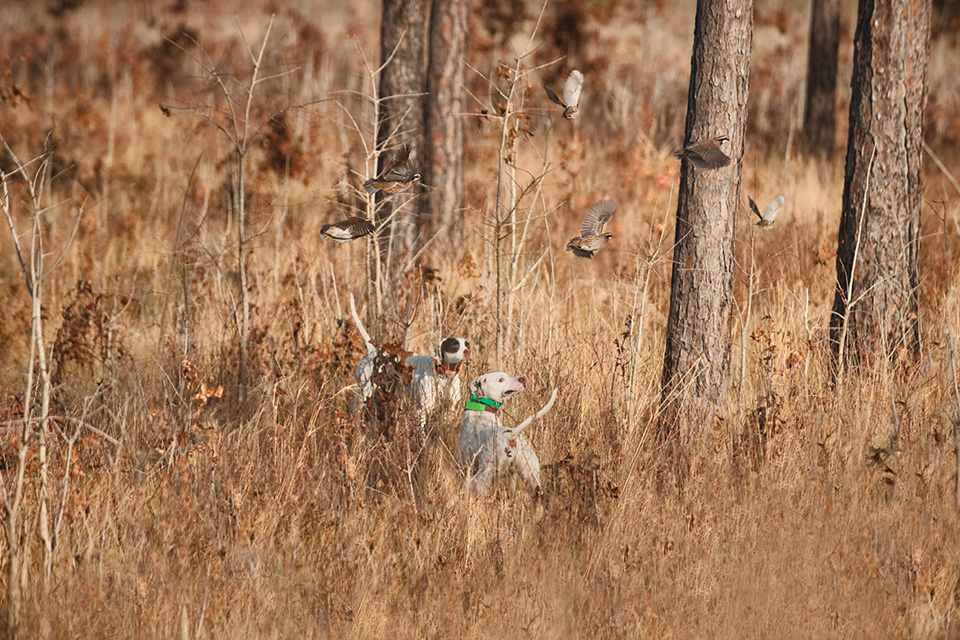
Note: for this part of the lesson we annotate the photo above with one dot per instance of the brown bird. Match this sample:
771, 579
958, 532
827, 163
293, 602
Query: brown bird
396, 177
769, 212
571, 95
591, 236
347, 230
705, 154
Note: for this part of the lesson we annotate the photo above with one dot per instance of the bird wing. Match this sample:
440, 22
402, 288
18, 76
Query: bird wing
361, 227
773, 208
571, 90
401, 169
337, 232
753, 205
553, 97
598, 215
707, 155
349, 229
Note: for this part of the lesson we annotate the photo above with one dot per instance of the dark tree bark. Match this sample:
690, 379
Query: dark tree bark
696, 363
820, 115
876, 307
402, 83
443, 124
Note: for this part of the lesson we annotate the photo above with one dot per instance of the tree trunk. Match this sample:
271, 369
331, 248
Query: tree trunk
697, 359
876, 307
443, 125
819, 120
402, 84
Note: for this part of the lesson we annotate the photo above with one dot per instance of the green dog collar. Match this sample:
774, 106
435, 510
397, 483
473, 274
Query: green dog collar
481, 404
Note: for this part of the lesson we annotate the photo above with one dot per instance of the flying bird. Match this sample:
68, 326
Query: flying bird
769, 212
571, 95
347, 230
705, 154
591, 236
396, 177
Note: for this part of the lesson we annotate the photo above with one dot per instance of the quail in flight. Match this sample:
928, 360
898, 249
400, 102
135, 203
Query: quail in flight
705, 154
769, 212
571, 95
396, 177
347, 230
591, 236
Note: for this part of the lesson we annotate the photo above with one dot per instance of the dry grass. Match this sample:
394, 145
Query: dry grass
281, 517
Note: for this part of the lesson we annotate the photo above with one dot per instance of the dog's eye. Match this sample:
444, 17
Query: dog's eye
501, 380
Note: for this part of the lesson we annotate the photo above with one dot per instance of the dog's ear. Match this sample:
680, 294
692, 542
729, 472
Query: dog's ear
476, 387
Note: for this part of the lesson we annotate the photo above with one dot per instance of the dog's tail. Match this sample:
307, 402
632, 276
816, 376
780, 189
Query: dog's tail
356, 320
526, 423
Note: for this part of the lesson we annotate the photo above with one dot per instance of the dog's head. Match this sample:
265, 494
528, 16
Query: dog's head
497, 386
453, 352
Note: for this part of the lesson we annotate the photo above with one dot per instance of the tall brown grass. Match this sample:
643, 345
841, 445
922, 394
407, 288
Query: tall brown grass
824, 511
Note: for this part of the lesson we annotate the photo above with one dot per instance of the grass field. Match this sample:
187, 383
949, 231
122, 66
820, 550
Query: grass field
183, 503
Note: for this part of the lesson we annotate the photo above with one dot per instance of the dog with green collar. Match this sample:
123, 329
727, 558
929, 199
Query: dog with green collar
490, 451
481, 404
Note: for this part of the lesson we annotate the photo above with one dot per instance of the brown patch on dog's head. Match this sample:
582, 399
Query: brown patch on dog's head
454, 351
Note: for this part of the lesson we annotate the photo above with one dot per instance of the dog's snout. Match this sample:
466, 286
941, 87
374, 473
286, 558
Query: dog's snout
522, 380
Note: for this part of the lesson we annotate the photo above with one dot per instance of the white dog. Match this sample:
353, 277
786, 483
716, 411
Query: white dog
490, 449
436, 378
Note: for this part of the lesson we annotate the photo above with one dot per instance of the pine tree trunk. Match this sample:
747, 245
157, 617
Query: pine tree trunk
403, 22
820, 120
697, 359
443, 125
876, 307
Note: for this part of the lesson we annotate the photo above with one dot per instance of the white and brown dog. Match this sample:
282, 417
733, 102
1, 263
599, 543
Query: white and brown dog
490, 450
365, 368
435, 381
436, 378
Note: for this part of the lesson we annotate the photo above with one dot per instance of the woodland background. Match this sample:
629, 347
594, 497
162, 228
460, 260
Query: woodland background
181, 492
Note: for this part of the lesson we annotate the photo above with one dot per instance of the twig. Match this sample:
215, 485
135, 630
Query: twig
5, 203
